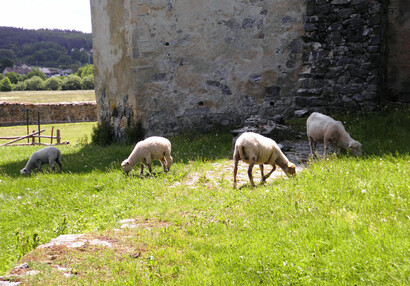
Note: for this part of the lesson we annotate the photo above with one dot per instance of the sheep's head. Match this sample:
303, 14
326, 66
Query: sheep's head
126, 166
25, 171
291, 170
355, 147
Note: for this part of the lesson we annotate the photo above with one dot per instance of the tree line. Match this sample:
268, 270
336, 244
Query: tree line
36, 80
47, 48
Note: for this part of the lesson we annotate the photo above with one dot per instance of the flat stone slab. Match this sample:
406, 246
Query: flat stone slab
68, 240
74, 241
7, 283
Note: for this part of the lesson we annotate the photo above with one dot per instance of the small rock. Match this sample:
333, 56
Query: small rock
100, 243
68, 240
127, 221
300, 113
128, 225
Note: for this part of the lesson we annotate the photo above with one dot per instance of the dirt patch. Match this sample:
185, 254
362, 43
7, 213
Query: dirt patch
66, 250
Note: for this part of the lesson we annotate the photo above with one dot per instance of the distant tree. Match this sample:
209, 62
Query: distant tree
36, 72
8, 54
64, 60
14, 77
5, 63
85, 71
21, 85
75, 55
53, 83
5, 84
88, 82
34, 83
72, 82
52, 48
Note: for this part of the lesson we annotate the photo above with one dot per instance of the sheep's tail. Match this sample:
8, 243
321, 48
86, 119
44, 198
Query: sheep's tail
243, 154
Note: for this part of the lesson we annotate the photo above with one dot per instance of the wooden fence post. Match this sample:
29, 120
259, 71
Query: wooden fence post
52, 129
28, 131
38, 118
58, 136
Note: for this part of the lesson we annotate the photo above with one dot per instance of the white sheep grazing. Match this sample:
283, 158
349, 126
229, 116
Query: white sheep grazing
253, 148
152, 148
324, 128
47, 155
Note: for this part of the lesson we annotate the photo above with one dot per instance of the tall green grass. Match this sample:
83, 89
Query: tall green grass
341, 221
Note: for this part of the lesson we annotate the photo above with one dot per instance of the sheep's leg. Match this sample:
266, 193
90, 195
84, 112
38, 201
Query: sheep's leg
261, 167
270, 173
235, 170
325, 142
149, 168
251, 164
59, 165
311, 142
52, 166
148, 159
164, 164
312, 146
39, 165
142, 170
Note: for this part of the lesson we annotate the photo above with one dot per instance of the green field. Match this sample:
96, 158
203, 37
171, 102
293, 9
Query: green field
71, 132
47, 96
341, 221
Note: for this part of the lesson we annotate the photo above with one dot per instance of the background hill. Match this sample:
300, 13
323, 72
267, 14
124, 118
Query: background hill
47, 48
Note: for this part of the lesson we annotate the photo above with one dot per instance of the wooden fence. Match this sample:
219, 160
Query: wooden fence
32, 137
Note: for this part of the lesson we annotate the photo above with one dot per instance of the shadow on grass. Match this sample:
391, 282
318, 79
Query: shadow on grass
90, 158
381, 133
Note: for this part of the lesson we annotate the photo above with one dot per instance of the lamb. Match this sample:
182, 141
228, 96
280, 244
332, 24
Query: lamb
253, 148
47, 155
152, 148
324, 128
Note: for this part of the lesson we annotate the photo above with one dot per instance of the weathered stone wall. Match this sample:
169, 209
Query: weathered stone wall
182, 64
16, 113
186, 64
398, 70
343, 56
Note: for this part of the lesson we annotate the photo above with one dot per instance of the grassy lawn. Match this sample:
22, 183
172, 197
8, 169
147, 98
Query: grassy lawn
341, 221
47, 96
71, 132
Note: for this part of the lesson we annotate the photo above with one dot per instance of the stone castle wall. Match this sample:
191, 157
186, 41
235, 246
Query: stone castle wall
179, 64
16, 113
343, 56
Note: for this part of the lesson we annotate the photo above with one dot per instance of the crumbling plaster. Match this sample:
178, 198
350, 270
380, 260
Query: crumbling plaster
182, 64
